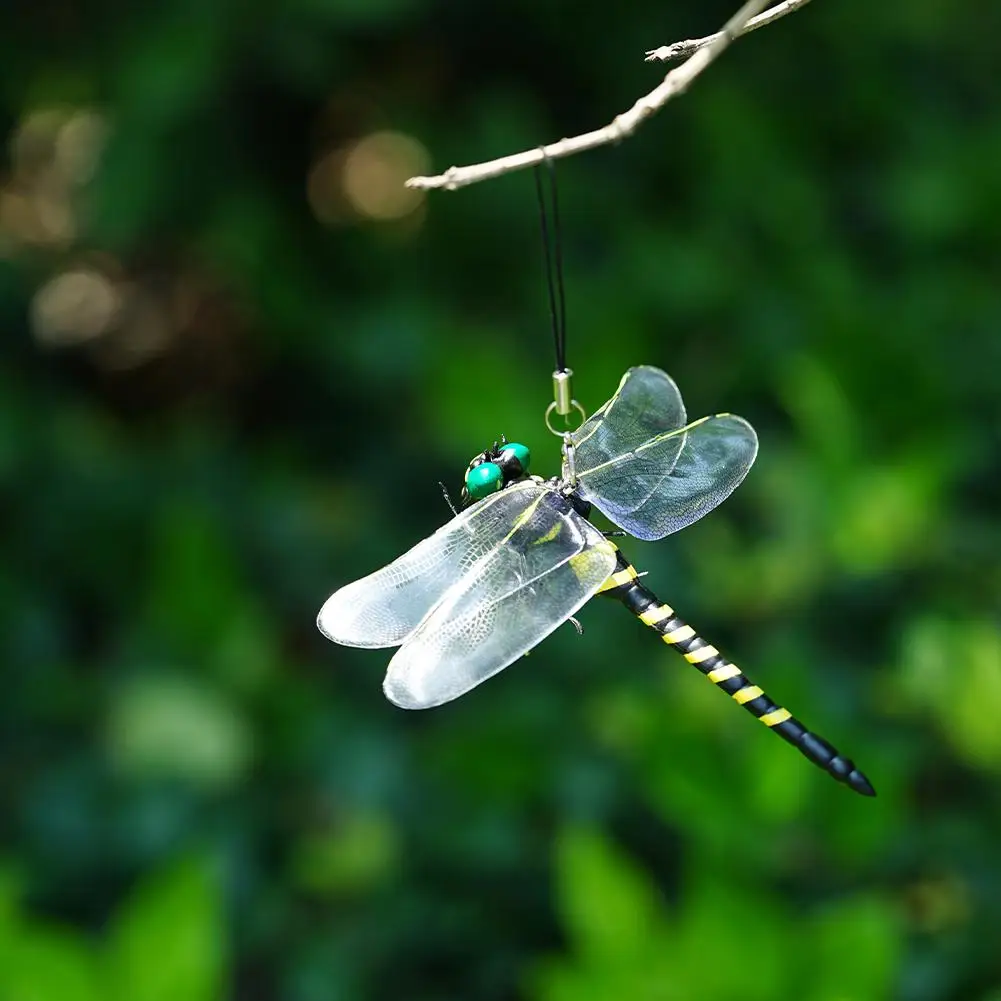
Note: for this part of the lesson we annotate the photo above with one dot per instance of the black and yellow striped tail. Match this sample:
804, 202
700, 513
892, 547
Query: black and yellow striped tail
625, 586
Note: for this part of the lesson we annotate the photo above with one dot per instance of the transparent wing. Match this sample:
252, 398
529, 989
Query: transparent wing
645, 409
654, 491
646, 405
385, 607
529, 582
637, 464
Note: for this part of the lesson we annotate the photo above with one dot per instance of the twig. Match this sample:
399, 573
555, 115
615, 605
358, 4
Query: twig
682, 50
676, 82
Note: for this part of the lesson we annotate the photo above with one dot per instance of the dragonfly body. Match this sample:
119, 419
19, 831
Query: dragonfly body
625, 586
508, 570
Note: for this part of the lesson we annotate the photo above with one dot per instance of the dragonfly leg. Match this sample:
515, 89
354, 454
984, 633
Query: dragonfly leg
448, 500
576, 625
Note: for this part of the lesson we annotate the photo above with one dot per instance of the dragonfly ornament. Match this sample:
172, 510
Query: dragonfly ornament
523, 557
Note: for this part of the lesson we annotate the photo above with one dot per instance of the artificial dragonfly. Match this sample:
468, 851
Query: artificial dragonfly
522, 558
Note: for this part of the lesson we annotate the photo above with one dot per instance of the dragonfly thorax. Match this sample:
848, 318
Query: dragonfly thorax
504, 463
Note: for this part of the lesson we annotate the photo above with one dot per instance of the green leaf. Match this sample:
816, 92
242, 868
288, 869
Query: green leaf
167, 943
41, 963
608, 904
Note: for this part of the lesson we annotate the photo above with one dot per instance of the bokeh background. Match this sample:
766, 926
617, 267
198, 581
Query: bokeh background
238, 356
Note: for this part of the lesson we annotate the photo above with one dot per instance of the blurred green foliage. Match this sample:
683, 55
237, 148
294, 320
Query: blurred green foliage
630, 947
165, 941
228, 389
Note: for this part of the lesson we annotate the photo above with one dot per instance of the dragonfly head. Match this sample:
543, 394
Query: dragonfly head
492, 470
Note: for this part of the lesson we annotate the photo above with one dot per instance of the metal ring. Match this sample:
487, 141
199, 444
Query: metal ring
552, 407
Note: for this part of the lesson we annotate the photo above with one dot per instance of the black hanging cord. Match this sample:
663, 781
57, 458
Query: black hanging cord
553, 251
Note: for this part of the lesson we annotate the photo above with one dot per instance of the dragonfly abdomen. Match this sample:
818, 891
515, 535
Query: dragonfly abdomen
626, 587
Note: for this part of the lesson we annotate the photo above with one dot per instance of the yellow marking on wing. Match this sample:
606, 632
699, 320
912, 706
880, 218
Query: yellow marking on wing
604, 465
649, 443
524, 517
654, 615
606, 408
679, 635
747, 694
580, 562
775, 717
549, 536
723, 673
657, 439
605, 546
603, 411
577, 442
703, 653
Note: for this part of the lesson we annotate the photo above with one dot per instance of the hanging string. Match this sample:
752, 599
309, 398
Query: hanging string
553, 252
552, 249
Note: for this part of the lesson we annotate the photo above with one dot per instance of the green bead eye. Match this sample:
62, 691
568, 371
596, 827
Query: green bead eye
520, 452
483, 480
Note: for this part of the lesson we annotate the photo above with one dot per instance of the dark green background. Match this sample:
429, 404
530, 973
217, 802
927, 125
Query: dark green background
202, 799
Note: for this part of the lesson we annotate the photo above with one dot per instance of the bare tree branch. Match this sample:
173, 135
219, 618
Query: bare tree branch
676, 82
682, 50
